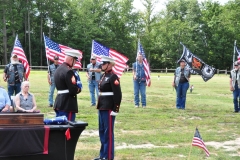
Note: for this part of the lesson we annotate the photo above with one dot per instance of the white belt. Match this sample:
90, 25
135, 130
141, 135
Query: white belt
63, 91
106, 93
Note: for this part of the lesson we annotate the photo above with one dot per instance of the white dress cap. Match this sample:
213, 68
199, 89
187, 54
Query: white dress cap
73, 53
107, 59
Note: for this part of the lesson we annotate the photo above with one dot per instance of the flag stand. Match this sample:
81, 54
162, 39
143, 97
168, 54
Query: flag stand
189, 154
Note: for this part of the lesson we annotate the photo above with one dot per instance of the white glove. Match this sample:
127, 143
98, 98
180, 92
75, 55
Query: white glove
113, 113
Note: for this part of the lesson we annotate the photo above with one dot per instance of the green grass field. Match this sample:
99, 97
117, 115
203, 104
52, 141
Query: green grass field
159, 132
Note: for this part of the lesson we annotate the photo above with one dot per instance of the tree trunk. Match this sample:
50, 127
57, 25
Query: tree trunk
29, 33
50, 28
4, 36
13, 22
25, 32
41, 34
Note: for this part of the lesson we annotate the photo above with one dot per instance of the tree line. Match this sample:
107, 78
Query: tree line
208, 28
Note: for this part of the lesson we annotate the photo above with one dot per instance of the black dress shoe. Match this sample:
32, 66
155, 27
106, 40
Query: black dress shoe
98, 158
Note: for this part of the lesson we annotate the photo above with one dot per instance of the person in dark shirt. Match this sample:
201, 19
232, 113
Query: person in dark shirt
235, 86
51, 70
93, 77
109, 101
181, 84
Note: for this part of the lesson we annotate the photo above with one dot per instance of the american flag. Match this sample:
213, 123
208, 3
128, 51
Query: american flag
145, 63
18, 50
53, 48
198, 141
238, 51
120, 60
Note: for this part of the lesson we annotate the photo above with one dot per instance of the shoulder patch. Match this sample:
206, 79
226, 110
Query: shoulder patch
116, 82
73, 80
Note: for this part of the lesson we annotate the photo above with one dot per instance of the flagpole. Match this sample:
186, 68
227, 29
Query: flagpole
191, 146
45, 50
234, 51
14, 43
137, 55
92, 48
46, 56
190, 152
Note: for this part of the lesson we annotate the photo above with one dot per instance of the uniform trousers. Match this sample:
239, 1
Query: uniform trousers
70, 115
106, 134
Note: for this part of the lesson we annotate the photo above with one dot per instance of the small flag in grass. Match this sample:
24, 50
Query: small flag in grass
198, 141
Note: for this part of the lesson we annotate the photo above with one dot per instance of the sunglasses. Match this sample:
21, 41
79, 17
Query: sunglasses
93, 59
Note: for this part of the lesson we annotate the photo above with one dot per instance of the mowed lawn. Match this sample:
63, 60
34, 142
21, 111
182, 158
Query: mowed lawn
160, 131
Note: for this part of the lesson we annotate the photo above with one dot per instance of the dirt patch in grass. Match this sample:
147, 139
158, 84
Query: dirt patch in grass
94, 133
230, 146
148, 145
194, 117
91, 133
87, 146
135, 132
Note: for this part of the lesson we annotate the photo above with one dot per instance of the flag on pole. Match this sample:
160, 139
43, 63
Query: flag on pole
145, 63
120, 60
196, 65
198, 141
53, 48
18, 50
238, 51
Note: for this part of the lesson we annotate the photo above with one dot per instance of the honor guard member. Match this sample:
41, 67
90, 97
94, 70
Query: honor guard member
66, 84
109, 100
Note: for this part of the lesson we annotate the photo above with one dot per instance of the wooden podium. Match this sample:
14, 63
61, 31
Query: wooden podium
58, 147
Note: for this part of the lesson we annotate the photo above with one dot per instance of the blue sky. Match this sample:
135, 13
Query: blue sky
160, 5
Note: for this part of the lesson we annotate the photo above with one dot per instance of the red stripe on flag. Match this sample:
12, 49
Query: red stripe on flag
21, 56
110, 135
120, 62
50, 53
199, 143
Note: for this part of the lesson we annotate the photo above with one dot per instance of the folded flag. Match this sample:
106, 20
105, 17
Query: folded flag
56, 120
79, 83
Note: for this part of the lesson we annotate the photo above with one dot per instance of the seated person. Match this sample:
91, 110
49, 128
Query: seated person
4, 101
25, 101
